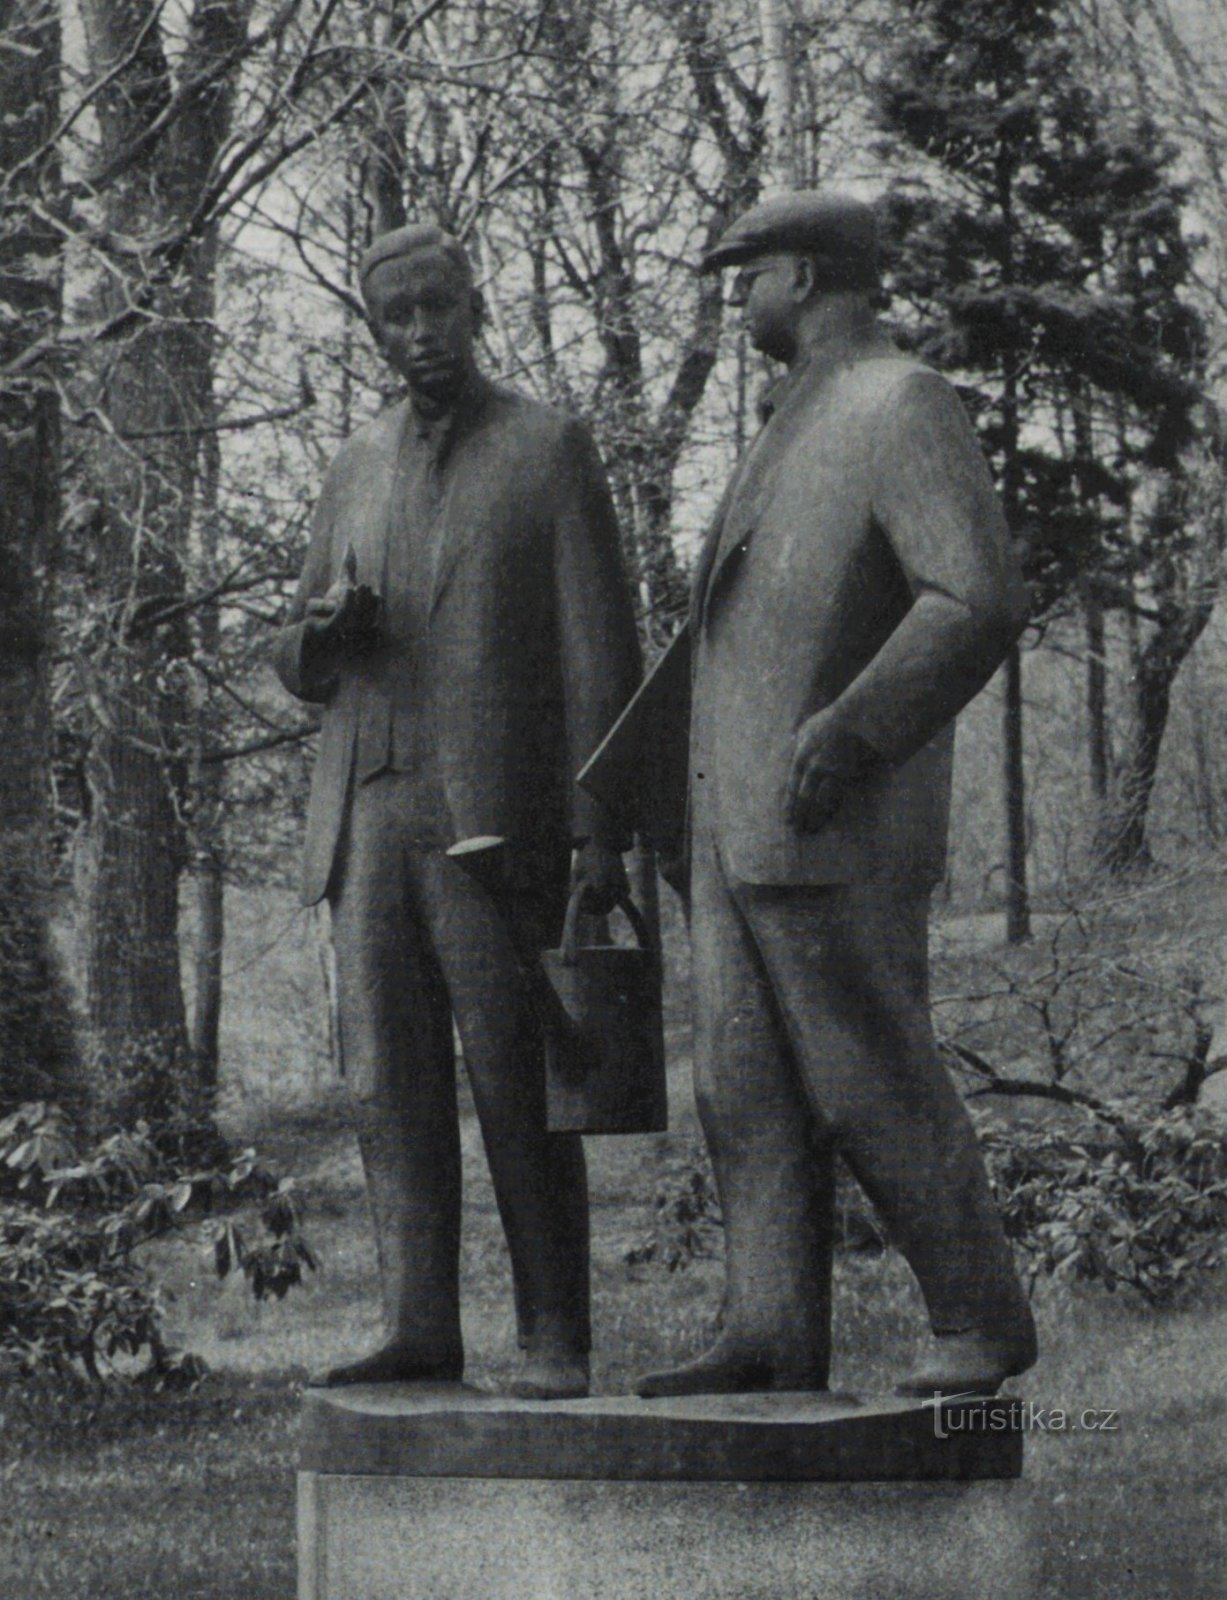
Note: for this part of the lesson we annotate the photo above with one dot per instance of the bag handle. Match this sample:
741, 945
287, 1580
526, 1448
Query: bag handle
569, 949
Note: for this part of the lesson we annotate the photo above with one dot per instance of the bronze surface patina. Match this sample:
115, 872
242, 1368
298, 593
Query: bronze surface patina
856, 589
465, 622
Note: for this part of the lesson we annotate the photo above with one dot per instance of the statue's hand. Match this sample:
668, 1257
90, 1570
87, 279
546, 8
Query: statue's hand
826, 762
598, 872
347, 615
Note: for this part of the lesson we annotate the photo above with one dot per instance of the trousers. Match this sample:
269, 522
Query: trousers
814, 1043
418, 941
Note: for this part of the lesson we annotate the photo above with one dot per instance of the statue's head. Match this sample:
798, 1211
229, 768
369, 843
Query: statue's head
425, 311
791, 249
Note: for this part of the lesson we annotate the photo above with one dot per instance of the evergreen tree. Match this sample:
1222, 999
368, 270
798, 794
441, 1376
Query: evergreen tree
1042, 257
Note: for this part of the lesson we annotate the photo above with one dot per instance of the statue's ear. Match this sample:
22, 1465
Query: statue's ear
805, 276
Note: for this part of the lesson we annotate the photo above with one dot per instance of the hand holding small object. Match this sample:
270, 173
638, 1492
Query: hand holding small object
348, 613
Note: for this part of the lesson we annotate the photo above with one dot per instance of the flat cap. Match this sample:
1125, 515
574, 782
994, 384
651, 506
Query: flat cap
407, 241
838, 232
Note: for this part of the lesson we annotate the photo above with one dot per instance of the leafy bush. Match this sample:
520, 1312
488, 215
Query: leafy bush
1119, 1202
73, 1295
1113, 1199
687, 1215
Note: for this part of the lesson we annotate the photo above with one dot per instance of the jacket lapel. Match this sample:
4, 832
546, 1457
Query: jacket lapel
367, 525
707, 558
733, 524
455, 541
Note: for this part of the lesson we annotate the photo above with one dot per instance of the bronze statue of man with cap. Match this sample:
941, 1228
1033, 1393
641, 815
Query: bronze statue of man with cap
856, 589
465, 622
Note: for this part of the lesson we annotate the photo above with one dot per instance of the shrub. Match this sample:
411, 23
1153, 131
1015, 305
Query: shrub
1139, 1203
73, 1294
686, 1218
1114, 1199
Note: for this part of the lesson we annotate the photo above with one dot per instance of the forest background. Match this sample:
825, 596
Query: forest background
187, 189
187, 185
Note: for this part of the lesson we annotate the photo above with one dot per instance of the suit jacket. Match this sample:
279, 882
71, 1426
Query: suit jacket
529, 648
859, 567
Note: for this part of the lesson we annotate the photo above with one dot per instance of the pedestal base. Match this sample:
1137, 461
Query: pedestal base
445, 1494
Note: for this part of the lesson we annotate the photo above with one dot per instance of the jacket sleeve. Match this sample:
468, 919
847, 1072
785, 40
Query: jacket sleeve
934, 500
313, 681
598, 640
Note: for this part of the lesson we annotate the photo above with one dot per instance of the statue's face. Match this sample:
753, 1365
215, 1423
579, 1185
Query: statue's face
766, 291
424, 313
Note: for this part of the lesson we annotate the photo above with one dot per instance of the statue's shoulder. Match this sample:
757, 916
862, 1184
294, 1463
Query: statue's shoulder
372, 442
885, 369
894, 382
536, 424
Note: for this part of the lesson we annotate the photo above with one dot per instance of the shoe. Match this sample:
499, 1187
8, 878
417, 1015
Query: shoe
731, 1369
392, 1363
969, 1363
551, 1375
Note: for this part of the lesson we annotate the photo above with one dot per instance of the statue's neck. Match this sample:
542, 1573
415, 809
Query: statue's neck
435, 406
830, 322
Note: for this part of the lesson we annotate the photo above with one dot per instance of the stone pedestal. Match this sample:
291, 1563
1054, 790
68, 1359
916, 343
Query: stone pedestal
425, 1493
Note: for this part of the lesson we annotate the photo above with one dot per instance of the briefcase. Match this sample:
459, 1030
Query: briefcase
604, 1044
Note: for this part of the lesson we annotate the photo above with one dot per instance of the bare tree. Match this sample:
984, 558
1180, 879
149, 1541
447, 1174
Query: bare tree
36, 1053
172, 161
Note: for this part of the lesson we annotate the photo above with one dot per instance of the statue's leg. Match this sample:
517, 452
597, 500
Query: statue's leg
850, 967
772, 1163
399, 1064
540, 1181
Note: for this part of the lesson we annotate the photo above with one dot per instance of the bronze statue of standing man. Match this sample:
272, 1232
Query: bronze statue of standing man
464, 619
855, 591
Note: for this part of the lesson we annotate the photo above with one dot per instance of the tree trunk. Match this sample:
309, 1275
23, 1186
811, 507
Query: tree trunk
154, 387
1017, 897
1017, 903
1206, 763
385, 175
136, 843
1098, 754
37, 1057
783, 145
1098, 751
207, 800
1185, 593
210, 943
647, 445
1122, 844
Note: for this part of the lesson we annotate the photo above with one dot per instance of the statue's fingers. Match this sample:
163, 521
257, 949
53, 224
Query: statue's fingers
820, 802
796, 789
791, 788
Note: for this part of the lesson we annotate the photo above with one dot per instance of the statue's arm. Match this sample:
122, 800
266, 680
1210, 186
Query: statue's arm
306, 672
934, 500
599, 643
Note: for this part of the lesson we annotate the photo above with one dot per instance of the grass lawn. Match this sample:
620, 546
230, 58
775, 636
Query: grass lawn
134, 1495
145, 1496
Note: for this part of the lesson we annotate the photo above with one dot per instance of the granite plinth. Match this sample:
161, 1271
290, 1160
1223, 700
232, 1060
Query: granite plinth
425, 1493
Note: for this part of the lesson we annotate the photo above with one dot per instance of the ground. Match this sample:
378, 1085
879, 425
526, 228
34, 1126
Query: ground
148, 1496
